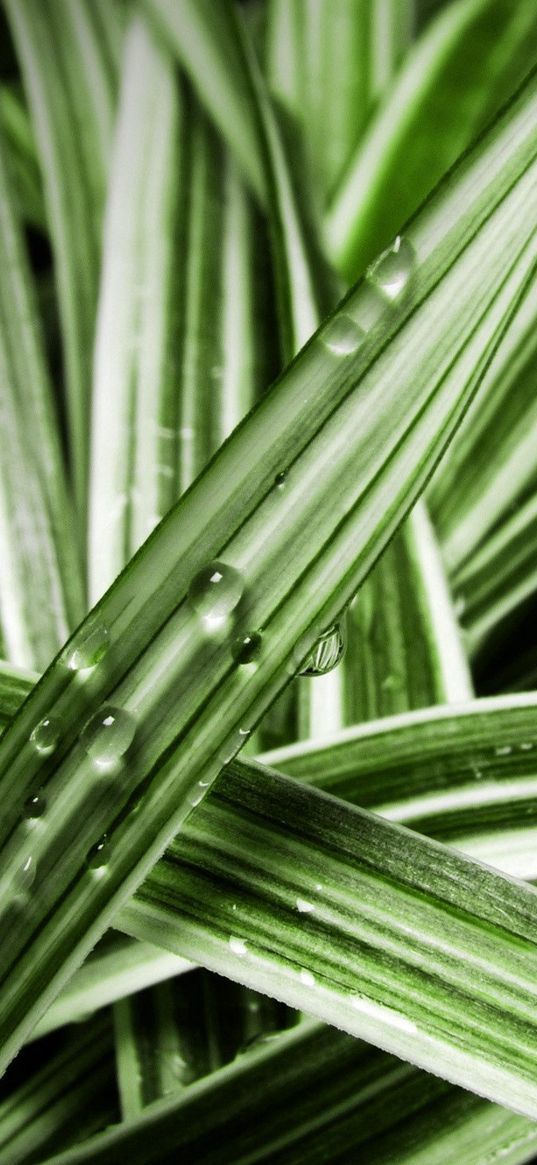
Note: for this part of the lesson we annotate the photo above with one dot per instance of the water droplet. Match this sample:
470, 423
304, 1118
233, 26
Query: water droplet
35, 805
342, 335
304, 907
246, 648
307, 978
24, 876
326, 653
526, 746
215, 591
89, 645
46, 735
107, 735
260, 1040
392, 271
281, 479
99, 854
503, 750
232, 745
238, 946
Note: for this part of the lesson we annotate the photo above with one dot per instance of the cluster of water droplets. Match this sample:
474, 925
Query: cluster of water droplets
387, 280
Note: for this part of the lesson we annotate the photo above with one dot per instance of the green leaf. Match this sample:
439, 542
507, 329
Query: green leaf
41, 595
316, 1094
466, 64
309, 45
69, 82
201, 34
181, 702
67, 1100
17, 132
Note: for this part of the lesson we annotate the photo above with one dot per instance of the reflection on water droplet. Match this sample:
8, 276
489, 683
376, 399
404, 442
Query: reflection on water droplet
45, 735
326, 654
304, 907
342, 335
24, 876
307, 978
99, 854
35, 805
503, 750
392, 272
88, 646
280, 479
215, 592
526, 746
238, 946
246, 648
232, 745
107, 735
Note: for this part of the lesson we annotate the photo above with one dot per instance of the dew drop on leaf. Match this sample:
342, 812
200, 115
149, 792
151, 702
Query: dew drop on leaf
107, 735
35, 805
247, 647
280, 480
88, 647
99, 854
342, 335
326, 653
46, 735
238, 946
216, 590
392, 272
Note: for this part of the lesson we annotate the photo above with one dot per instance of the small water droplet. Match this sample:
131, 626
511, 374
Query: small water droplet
107, 735
215, 591
46, 735
35, 805
88, 646
326, 653
24, 876
281, 479
238, 946
526, 746
99, 854
246, 648
503, 750
232, 745
307, 978
260, 1040
392, 272
342, 335
304, 907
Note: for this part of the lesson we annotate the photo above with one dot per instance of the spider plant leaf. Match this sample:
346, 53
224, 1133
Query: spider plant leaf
465, 65
68, 1099
309, 44
69, 83
379, 931
149, 662
41, 593
202, 36
17, 132
115, 970
315, 1092
500, 576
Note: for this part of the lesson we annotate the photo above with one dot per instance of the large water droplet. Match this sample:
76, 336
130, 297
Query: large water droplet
342, 335
89, 645
35, 805
392, 272
215, 591
246, 648
326, 654
99, 854
281, 479
46, 735
107, 735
